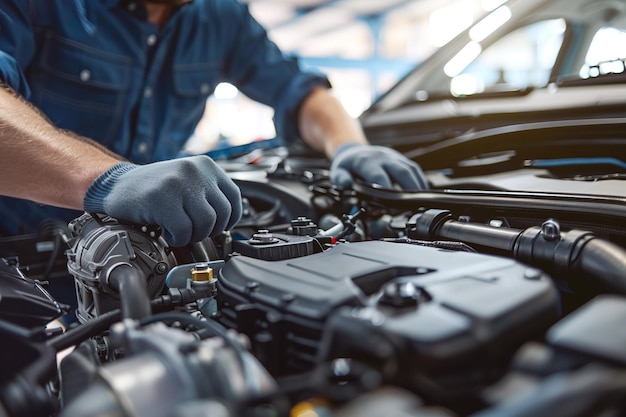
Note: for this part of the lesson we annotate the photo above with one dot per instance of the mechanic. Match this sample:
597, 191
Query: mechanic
134, 75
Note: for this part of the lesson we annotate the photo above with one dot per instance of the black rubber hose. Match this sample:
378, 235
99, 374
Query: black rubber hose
606, 262
575, 252
133, 291
476, 234
77, 335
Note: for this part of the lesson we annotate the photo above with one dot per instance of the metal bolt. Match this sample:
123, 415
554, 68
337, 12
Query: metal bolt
550, 230
263, 236
161, 267
532, 274
496, 223
400, 294
301, 221
341, 367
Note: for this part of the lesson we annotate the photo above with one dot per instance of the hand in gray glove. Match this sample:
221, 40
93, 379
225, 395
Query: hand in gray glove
190, 198
375, 165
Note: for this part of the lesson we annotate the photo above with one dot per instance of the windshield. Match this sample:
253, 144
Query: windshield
524, 58
519, 46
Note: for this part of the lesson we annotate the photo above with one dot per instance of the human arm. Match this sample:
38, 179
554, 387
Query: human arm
190, 198
325, 124
41, 162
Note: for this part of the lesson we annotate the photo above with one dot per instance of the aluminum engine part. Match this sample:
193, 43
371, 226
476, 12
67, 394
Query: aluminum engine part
99, 246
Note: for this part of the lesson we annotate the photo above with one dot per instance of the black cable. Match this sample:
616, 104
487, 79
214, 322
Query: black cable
78, 334
58, 230
53, 257
450, 245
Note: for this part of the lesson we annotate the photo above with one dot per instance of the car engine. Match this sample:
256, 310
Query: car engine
325, 302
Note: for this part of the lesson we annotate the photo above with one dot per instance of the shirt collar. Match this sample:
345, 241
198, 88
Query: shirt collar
110, 3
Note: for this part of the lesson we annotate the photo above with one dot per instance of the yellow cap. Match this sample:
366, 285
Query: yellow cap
201, 273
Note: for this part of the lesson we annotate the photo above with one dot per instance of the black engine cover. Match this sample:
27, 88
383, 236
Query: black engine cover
433, 307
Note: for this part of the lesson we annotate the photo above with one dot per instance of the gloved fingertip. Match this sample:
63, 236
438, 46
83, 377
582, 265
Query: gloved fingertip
234, 218
174, 241
421, 179
412, 182
341, 178
236, 213
382, 183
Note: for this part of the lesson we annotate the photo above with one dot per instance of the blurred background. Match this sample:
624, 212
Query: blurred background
364, 47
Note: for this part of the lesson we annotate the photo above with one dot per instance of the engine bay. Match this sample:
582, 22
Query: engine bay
326, 302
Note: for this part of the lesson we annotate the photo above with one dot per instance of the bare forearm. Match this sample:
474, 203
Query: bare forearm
42, 163
325, 124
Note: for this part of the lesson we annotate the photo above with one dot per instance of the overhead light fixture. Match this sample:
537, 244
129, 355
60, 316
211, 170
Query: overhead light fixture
490, 23
462, 59
225, 91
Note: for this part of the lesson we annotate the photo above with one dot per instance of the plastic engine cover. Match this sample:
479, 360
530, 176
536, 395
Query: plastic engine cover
434, 305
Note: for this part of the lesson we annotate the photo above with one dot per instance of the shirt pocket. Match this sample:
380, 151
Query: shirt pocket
81, 88
196, 80
192, 84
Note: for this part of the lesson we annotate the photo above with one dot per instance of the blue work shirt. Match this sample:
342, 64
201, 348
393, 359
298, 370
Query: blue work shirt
100, 69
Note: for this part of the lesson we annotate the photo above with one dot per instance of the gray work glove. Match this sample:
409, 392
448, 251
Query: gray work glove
375, 165
189, 198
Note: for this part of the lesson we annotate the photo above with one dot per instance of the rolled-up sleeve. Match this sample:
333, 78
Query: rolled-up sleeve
261, 71
17, 44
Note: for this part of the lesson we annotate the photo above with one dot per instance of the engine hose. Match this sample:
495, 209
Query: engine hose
133, 291
576, 252
438, 224
475, 234
605, 261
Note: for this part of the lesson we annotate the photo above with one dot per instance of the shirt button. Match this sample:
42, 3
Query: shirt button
147, 92
204, 88
85, 75
142, 147
151, 40
132, 6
